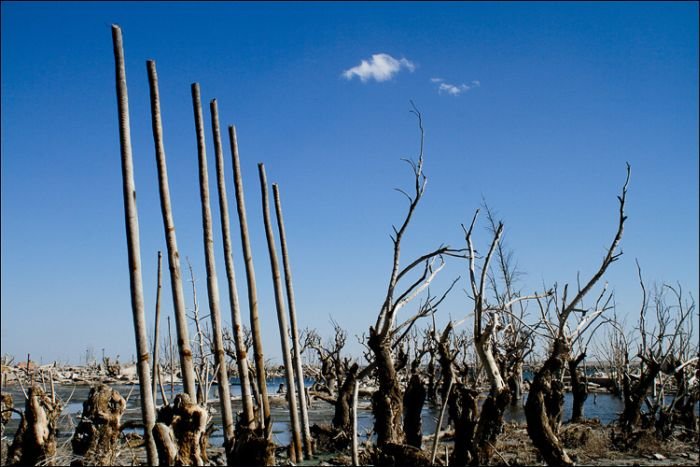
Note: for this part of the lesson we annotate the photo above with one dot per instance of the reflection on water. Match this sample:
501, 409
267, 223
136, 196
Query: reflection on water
602, 406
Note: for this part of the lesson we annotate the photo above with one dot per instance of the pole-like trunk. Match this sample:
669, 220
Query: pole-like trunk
438, 427
308, 446
355, 451
172, 362
154, 373
250, 279
133, 247
183, 339
238, 339
212, 281
281, 317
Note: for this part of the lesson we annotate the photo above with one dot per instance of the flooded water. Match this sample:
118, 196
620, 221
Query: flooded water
602, 406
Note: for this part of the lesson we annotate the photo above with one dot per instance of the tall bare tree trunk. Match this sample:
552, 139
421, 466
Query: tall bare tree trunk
154, 373
308, 442
212, 281
252, 289
183, 339
238, 339
281, 317
172, 362
133, 247
355, 450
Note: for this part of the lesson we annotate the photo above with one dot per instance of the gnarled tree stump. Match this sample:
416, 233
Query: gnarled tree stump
6, 406
180, 433
97, 434
35, 440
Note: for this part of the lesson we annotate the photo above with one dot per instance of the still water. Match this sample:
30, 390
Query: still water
602, 406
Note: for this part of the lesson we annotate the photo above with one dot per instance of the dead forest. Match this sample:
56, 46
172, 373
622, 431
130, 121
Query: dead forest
507, 348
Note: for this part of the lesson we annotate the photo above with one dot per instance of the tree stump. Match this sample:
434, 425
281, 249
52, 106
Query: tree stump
252, 448
96, 436
35, 440
180, 433
6, 406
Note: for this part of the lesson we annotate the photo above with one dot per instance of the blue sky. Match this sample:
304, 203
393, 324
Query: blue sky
541, 106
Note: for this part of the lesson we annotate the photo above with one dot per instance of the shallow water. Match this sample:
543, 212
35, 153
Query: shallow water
602, 406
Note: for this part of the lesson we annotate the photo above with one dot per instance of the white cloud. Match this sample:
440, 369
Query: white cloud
454, 89
381, 67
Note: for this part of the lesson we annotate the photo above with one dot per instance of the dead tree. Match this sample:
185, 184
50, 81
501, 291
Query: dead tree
180, 433
212, 282
459, 399
133, 246
258, 355
97, 435
387, 404
35, 439
293, 322
329, 355
544, 402
281, 319
183, 340
490, 421
248, 419
614, 346
202, 338
155, 375
516, 340
664, 349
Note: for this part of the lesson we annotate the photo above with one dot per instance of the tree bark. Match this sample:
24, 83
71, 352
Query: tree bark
540, 428
342, 419
154, 372
634, 396
133, 246
579, 389
180, 433
35, 439
515, 383
96, 437
250, 278
355, 450
308, 442
212, 281
413, 400
281, 318
241, 353
387, 403
491, 417
180, 312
